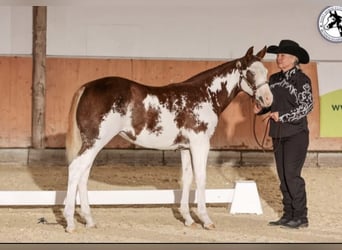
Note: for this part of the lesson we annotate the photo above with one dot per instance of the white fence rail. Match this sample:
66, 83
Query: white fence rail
244, 197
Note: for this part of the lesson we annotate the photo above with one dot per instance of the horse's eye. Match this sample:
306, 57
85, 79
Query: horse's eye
251, 73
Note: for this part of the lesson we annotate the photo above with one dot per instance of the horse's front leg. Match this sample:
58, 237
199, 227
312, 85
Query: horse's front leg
199, 153
186, 184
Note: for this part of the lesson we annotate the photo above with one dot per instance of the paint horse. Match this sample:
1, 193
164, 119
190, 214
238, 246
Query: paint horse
177, 116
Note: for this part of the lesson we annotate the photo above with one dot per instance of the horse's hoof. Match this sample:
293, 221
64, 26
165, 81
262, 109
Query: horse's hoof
91, 225
188, 223
209, 227
191, 225
70, 230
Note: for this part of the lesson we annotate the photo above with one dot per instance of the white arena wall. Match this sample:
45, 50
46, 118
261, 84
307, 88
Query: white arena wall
178, 29
190, 29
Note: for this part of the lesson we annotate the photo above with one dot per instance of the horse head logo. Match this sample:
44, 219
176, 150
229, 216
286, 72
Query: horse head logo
330, 23
334, 20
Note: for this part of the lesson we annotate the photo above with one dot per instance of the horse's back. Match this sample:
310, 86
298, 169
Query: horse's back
107, 86
101, 95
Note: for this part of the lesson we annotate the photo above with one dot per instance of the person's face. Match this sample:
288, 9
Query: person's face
286, 61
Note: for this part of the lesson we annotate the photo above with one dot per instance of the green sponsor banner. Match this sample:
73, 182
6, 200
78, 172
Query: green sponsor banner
330, 89
331, 114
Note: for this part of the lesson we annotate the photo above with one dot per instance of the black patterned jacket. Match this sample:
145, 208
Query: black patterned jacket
292, 98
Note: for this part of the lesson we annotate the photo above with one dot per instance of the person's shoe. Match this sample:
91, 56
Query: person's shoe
297, 223
280, 222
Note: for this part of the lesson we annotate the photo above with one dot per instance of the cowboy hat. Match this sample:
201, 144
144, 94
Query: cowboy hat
292, 48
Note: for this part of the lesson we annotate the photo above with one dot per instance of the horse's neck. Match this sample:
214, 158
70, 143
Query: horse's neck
221, 69
221, 84
223, 89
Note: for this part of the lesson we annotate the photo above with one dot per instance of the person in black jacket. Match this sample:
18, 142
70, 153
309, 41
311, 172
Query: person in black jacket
292, 101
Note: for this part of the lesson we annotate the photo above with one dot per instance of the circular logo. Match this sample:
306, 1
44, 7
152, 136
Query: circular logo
330, 24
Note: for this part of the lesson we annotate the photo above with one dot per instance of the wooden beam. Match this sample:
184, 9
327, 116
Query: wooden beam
38, 76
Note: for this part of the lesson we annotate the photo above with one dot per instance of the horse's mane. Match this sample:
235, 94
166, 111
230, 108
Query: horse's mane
218, 70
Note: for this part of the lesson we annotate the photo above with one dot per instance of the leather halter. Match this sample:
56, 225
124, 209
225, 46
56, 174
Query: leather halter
252, 86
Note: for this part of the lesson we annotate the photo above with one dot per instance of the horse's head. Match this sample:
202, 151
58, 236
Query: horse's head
253, 77
333, 19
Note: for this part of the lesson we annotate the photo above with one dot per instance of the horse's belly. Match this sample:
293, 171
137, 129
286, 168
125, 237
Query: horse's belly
146, 139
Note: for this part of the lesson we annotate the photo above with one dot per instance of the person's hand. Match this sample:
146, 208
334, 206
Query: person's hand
257, 108
274, 116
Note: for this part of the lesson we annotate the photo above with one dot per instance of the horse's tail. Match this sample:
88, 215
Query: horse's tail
73, 141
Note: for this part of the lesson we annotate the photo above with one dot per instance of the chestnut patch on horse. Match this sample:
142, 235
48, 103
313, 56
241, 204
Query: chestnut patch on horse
142, 117
153, 119
181, 139
182, 99
138, 109
98, 99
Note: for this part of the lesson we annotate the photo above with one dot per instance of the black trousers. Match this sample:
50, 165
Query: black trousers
290, 154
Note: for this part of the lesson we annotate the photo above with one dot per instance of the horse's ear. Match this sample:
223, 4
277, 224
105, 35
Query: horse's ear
249, 52
261, 53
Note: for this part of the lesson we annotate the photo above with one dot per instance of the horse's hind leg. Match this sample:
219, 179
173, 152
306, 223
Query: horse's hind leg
79, 172
186, 184
76, 169
110, 128
83, 193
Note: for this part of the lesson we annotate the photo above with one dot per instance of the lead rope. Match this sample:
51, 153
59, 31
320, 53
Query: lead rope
261, 145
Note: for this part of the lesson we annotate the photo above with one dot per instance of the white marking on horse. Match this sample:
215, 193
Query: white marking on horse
218, 80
